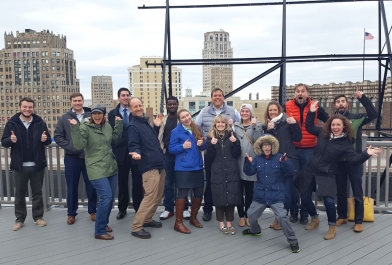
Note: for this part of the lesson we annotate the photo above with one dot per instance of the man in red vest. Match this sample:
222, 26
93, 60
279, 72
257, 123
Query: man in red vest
298, 108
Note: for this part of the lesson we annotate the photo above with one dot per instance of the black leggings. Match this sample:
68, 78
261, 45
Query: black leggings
183, 193
248, 186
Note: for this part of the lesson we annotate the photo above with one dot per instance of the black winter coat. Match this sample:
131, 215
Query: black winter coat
225, 174
286, 135
323, 164
37, 127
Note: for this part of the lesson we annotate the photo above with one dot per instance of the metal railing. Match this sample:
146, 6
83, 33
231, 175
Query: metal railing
55, 188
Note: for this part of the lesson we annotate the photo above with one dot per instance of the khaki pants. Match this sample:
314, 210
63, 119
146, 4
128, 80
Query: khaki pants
154, 185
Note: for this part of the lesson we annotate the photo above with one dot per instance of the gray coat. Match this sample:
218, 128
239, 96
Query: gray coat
62, 133
254, 132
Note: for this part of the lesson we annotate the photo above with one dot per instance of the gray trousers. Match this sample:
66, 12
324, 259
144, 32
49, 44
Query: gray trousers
21, 180
255, 211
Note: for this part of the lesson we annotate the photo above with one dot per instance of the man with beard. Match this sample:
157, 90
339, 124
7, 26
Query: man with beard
169, 122
346, 170
27, 135
123, 159
298, 108
204, 121
74, 160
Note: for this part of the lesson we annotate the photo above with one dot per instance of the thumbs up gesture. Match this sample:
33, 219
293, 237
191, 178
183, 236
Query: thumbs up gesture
214, 140
44, 137
254, 120
13, 137
249, 158
291, 120
283, 157
200, 142
187, 144
230, 121
232, 138
270, 125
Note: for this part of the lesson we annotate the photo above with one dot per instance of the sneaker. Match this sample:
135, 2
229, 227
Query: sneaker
207, 217
93, 216
40, 222
247, 232
295, 248
293, 218
231, 230
71, 220
304, 220
165, 215
17, 226
224, 230
186, 215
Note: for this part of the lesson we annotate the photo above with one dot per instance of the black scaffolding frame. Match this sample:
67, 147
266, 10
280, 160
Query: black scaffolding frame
280, 62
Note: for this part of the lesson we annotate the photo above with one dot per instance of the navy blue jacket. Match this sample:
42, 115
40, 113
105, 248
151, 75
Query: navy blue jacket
269, 187
36, 128
143, 139
186, 159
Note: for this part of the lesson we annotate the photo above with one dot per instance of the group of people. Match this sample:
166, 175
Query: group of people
247, 164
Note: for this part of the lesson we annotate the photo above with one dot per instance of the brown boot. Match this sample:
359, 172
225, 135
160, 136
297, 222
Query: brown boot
179, 225
314, 223
331, 233
273, 224
196, 203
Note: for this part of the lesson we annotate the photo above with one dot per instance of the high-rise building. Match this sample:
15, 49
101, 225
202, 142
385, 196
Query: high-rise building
325, 95
37, 65
217, 45
102, 91
146, 82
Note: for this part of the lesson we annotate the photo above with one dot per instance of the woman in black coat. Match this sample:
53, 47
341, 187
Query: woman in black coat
286, 130
335, 141
224, 148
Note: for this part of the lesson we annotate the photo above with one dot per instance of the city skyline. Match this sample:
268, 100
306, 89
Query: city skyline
107, 38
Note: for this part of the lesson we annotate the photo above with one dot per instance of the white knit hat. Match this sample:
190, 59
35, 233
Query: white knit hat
247, 106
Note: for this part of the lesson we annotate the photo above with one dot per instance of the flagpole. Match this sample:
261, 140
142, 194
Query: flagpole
363, 61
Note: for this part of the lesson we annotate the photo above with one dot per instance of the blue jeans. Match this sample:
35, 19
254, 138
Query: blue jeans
106, 189
73, 167
170, 185
302, 157
330, 208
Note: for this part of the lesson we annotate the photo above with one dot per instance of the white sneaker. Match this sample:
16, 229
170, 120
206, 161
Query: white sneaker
165, 215
186, 215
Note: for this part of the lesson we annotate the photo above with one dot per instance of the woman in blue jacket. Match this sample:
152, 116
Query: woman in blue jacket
186, 142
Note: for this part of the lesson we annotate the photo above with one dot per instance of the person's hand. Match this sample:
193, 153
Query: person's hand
187, 144
249, 158
373, 151
72, 121
135, 156
283, 157
232, 138
291, 120
158, 120
200, 142
254, 120
270, 125
214, 140
13, 137
358, 94
117, 118
314, 106
44, 137
231, 122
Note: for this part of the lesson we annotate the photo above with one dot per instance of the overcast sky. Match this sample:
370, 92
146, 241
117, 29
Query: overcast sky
107, 37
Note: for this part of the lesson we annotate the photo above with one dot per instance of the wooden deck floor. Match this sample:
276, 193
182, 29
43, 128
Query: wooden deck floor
59, 243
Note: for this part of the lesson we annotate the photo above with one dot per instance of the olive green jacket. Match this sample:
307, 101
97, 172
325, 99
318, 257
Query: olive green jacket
97, 145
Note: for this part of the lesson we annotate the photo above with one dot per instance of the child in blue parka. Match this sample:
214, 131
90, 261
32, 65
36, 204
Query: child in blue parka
270, 167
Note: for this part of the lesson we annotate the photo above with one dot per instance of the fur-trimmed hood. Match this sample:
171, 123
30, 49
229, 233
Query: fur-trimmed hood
266, 139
